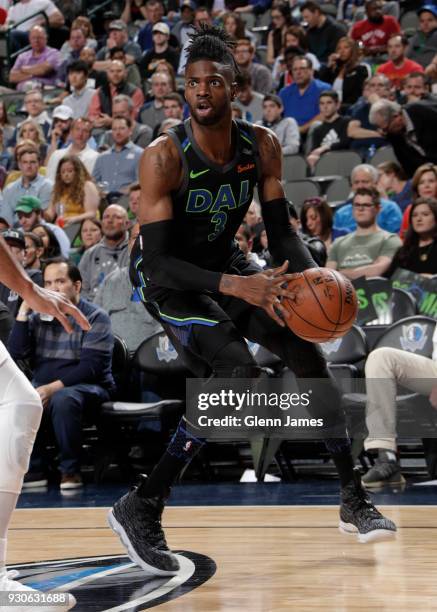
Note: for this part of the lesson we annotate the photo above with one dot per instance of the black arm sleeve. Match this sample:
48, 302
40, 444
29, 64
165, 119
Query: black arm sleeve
284, 241
168, 271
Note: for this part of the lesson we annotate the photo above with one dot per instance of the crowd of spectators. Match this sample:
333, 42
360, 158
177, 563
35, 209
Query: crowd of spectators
87, 95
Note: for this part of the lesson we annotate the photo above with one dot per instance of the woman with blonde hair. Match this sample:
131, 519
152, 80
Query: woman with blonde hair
31, 130
75, 196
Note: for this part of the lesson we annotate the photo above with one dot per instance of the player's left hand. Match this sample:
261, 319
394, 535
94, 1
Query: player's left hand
55, 304
433, 397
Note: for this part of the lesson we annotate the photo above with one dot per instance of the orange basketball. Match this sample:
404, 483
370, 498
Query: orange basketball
325, 305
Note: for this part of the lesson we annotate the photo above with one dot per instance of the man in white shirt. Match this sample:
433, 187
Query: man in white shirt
79, 135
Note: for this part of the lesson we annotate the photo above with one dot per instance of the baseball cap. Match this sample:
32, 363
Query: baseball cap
117, 24
63, 112
161, 27
430, 8
14, 237
27, 204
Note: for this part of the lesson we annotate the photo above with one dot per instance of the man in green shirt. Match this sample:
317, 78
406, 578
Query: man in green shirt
368, 250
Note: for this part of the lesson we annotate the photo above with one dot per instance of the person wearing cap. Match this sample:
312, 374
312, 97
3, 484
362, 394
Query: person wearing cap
285, 128
154, 12
374, 31
100, 110
161, 50
29, 214
62, 122
423, 45
29, 183
118, 37
184, 27
39, 65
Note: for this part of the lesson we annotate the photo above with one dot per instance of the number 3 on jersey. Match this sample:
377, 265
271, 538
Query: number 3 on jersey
219, 219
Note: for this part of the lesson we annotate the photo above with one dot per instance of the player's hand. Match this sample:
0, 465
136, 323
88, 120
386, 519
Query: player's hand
433, 397
55, 304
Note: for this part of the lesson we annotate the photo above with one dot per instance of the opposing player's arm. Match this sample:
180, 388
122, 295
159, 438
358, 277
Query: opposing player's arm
284, 242
160, 174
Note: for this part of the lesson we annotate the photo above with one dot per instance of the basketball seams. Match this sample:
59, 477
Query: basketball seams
318, 301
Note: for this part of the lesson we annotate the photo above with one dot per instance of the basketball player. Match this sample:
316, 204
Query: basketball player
20, 415
197, 183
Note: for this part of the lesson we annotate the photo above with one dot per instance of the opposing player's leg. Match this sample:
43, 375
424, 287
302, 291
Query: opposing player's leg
20, 416
357, 513
210, 345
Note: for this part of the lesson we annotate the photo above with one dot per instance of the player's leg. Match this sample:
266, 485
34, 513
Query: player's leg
385, 367
20, 416
213, 348
305, 359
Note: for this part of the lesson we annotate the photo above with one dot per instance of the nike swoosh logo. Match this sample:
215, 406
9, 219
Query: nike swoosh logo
194, 175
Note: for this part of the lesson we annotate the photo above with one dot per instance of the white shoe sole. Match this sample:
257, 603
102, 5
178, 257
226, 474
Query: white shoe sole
379, 535
118, 529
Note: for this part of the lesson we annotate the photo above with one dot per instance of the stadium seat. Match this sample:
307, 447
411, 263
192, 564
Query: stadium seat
346, 355
338, 190
337, 162
299, 191
294, 168
383, 154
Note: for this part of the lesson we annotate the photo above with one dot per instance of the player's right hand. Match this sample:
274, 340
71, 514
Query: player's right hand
55, 304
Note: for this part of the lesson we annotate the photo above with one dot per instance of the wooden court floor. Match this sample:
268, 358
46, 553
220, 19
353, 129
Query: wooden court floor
269, 558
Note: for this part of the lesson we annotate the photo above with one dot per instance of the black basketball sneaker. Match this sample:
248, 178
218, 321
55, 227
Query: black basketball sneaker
137, 522
359, 516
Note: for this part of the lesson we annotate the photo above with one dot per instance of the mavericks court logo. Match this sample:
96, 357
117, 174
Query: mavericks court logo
104, 584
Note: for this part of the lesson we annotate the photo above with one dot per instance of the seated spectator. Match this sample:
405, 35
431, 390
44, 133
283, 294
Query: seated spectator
79, 137
244, 238
15, 240
184, 27
201, 15
117, 168
29, 215
134, 203
345, 72
295, 43
233, 24
416, 88
385, 368
316, 219
374, 31
86, 26
419, 250
118, 37
250, 102
423, 185
389, 216
374, 88
96, 78
29, 183
100, 109
77, 41
33, 251
152, 112
39, 65
301, 98
323, 31
79, 99
31, 130
60, 132
285, 128
5, 156
75, 197
27, 8
133, 76
261, 76
334, 132
410, 130
281, 20
111, 252
423, 45
173, 109
398, 66
122, 106
49, 240
160, 50
7, 128
369, 250
71, 372
154, 13
314, 244
35, 108
90, 233
129, 319
393, 184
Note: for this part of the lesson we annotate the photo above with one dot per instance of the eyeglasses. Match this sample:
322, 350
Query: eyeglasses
363, 206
